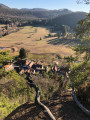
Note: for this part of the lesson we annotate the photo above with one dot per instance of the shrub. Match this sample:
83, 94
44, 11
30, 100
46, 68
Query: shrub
83, 93
45, 75
50, 73
22, 53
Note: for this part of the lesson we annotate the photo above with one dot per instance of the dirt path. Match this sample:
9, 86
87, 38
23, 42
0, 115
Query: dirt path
63, 108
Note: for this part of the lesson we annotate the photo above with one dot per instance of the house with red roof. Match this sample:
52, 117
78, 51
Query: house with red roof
9, 67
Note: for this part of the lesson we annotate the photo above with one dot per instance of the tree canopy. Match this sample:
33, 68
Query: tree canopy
83, 1
83, 32
80, 73
22, 53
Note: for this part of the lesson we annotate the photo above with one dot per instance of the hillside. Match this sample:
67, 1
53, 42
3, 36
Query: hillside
17, 95
4, 6
69, 19
30, 13
54, 17
63, 108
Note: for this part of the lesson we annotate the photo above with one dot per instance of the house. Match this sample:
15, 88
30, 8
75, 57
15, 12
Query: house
37, 66
54, 69
9, 67
27, 62
22, 62
21, 71
32, 71
31, 64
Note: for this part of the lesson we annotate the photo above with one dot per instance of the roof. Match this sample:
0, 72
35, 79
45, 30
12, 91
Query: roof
38, 62
7, 66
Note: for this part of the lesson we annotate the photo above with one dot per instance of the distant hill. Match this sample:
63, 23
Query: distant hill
34, 9
4, 6
55, 17
31, 13
69, 19
42, 13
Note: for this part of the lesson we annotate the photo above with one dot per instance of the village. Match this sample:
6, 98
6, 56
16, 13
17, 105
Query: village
33, 67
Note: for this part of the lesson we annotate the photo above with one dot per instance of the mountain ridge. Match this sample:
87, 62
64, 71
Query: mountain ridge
58, 17
26, 13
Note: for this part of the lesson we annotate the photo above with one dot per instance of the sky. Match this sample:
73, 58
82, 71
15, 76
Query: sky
47, 4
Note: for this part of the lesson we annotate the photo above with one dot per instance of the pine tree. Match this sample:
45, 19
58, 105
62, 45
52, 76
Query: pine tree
22, 53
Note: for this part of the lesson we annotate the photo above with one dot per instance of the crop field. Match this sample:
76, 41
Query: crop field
33, 39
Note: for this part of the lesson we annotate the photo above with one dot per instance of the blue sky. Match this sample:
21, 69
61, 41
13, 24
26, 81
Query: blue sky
48, 4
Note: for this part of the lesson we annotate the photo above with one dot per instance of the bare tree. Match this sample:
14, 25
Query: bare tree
83, 1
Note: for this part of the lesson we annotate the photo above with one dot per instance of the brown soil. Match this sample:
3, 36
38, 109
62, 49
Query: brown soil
62, 107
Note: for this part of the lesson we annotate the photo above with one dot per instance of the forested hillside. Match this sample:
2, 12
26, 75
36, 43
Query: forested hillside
62, 16
69, 19
31, 13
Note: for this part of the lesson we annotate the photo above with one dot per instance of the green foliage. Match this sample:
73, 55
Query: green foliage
3, 73
42, 93
50, 73
70, 58
4, 57
22, 53
15, 94
45, 75
83, 32
55, 76
40, 38
79, 73
18, 86
6, 106
49, 35
52, 89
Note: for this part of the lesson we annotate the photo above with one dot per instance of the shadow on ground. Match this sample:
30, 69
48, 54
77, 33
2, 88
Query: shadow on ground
26, 112
62, 107
69, 42
70, 111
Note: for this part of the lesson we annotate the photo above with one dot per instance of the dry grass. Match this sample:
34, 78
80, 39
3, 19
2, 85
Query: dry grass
2, 25
29, 38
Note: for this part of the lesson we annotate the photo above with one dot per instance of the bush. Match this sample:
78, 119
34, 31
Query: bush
4, 57
45, 75
50, 73
22, 53
83, 93
40, 38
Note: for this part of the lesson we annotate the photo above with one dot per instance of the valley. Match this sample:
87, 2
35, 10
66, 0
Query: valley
35, 39
44, 62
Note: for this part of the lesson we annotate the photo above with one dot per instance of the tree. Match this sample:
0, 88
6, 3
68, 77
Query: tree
22, 53
4, 57
83, 1
83, 32
45, 75
70, 59
80, 72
